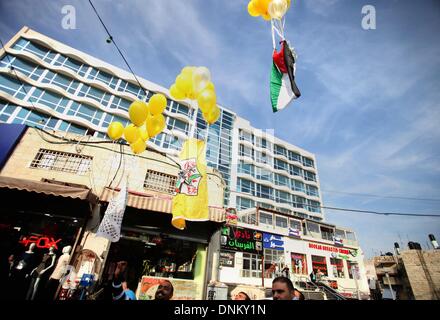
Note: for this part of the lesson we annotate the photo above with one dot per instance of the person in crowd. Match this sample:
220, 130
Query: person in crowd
298, 295
319, 275
313, 276
286, 272
282, 289
164, 291
241, 296
120, 290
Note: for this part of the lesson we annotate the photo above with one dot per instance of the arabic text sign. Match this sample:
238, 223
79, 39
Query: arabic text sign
241, 239
272, 241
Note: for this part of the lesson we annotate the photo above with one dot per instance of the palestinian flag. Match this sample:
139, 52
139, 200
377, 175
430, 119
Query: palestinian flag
282, 81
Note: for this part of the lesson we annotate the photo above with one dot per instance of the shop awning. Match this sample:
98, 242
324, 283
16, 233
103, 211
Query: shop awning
48, 188
157, 203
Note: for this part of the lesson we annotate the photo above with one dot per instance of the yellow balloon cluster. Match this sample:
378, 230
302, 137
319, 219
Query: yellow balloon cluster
268, 9
147, 122
195, 83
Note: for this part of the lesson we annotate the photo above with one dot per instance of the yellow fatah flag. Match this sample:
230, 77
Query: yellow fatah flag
191, 199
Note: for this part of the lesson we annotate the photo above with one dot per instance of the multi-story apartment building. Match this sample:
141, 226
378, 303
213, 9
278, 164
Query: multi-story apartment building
60, 88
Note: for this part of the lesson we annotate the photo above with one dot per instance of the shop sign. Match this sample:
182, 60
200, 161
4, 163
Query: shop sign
241, 239
227, 259
294, 232
327, 248
183, 289
231, 216
40, 242
272, 241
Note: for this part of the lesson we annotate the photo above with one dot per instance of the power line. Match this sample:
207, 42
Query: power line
350, 210
112, 40
380, 196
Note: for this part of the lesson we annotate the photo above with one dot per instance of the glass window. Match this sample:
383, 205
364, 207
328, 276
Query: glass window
319, 263
266, 218
293, 156
338, 267
352, 267
272, 260
295, 171
263, 174
280, 221
312, 191
299, 263
340, 234
283, 197
246, 151
246, 136
307, 162
298, 186
264, 191
281, 180
244, 203
313, 229
246, 168
251, 266
298, 202
309, 176
280, 150
280, 164
295, 224
245, 186
176, 124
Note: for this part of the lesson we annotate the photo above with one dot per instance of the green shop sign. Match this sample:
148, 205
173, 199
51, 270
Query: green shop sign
241, 239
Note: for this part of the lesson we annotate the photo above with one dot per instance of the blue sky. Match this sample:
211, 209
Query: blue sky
369, 109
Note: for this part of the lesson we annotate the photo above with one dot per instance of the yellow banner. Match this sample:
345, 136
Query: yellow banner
191, 200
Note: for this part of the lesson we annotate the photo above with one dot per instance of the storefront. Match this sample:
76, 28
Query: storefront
36, 219
154, 250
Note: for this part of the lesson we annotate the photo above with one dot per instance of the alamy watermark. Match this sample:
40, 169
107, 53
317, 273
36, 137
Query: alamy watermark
369, 18
69, 19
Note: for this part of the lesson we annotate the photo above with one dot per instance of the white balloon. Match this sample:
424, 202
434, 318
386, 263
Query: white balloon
277, 9
201, 78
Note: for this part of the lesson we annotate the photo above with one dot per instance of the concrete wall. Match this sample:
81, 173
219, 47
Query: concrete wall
418, 279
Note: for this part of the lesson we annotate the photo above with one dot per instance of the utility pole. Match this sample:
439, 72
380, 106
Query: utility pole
389, 284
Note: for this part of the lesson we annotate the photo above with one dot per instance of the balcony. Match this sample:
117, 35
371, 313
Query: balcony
384, 270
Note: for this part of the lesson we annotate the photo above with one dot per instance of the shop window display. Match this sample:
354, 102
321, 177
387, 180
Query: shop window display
32, 243
299, 263
338, 267
158, 256
319, 263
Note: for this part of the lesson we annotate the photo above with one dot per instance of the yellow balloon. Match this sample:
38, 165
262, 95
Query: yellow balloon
206, 100
189, 70
131, 133
262, 6
212, 116
157, 103
138, 112
252, 9
138, 146
144, 133
115, 130
184, 83
176, 93
266, 16
155, 124
210, 85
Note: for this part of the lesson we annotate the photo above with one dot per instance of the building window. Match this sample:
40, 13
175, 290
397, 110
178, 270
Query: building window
245, 186
309, 176
293, 156
327, 233
308, 162
298, 186
299, 263
280, 221
159, 181
280, 165
272, 262
338, 267
251, 266
280, 150
295, 224
62, 161
245, 203
266, 218
319, 263
246, 151
295, 171
352, 268
246, 136
312, 191
313, 229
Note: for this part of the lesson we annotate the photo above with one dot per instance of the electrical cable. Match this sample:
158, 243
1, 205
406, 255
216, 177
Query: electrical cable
120, 52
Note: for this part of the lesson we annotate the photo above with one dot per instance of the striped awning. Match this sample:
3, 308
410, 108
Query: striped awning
157, 203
